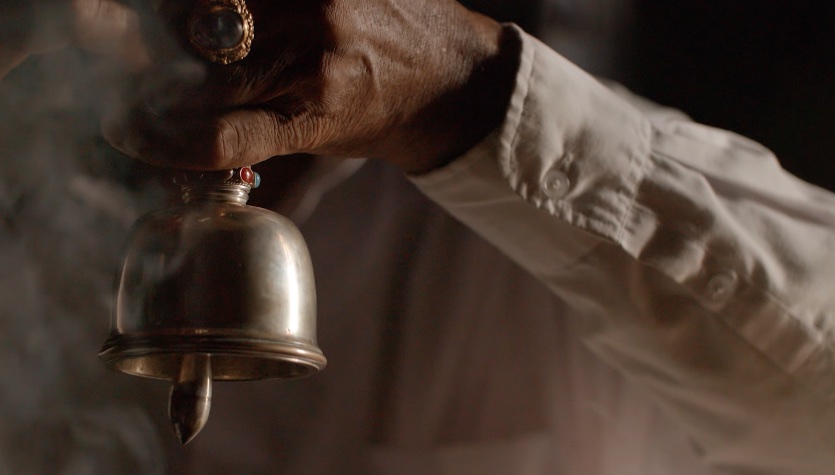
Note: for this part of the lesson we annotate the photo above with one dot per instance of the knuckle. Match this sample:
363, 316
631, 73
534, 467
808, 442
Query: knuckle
304, 136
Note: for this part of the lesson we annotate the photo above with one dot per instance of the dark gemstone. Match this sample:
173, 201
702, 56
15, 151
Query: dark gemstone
219, 29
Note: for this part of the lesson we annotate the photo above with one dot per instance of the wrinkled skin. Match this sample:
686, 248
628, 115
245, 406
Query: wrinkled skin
413, 82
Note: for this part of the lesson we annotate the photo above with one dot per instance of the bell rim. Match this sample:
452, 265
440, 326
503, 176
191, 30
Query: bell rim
119, 349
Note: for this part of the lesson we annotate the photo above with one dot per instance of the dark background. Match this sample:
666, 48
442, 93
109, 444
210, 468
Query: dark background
764, 69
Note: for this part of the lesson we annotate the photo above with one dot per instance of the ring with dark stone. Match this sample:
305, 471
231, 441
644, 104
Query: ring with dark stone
221, 30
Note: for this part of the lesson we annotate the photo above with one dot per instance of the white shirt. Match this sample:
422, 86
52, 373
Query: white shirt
655, 298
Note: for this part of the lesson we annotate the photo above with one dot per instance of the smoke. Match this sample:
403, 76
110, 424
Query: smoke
67, 201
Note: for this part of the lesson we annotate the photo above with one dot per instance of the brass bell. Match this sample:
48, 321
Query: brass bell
212, 289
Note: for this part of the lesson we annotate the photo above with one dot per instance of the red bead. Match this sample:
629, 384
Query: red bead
247, 175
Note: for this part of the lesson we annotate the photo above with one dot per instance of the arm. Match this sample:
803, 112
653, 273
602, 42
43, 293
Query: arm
704, 269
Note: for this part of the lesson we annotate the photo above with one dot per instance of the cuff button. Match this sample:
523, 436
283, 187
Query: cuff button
556, 184
722, 285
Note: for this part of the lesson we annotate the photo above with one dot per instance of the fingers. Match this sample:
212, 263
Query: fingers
214, 141
187, 141
99, 26
178, 117
109, 28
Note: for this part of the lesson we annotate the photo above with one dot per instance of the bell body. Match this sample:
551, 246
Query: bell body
217, 278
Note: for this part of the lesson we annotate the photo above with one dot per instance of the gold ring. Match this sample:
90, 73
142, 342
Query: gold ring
221, 30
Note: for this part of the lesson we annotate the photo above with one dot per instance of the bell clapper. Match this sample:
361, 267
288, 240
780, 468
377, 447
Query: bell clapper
190, 399
250, 315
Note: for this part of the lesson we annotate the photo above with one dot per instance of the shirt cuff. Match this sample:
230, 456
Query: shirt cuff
684, 244
569, 148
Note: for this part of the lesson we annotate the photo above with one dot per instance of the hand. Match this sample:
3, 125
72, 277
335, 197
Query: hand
31, 27
414, 82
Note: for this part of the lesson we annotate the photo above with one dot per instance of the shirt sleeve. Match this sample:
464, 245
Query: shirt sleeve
703, 271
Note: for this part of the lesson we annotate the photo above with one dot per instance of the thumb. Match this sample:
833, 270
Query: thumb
250, 136
215, 141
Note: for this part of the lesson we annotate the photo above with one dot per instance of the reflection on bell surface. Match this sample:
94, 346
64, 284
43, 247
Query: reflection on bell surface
213, 290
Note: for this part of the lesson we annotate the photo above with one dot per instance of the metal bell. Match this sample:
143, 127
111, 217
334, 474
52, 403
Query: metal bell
213, 289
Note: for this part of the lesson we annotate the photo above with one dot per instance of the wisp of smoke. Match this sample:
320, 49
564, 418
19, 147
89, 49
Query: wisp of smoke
66, 203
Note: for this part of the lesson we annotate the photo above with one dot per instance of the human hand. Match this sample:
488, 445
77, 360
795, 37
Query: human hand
414, 82
32, 27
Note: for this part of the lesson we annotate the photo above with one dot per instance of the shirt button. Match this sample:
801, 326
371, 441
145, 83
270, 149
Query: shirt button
722, 285
556, 184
